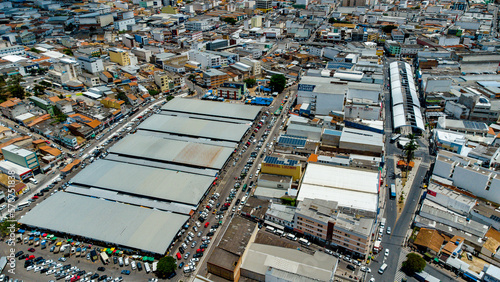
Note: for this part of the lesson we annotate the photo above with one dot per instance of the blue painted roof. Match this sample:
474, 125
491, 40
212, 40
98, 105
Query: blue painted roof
333, 132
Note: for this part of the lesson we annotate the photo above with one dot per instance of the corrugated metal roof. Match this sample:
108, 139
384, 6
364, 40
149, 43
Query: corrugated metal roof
124, 225
167, 150
145, 181
237, 112
195, 127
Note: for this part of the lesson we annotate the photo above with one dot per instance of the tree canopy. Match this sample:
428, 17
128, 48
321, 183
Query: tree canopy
410, 148
413, 263
165, 266
231, 21
250, 82
388, 28
277, 82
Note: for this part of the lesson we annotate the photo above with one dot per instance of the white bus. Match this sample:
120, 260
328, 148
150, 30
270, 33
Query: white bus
147, 268
23, 205
270, 229
291, 236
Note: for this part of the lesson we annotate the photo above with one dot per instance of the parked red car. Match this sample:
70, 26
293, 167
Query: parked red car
207, 224
179, 257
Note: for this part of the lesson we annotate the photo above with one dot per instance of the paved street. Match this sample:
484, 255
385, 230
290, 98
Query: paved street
226, 182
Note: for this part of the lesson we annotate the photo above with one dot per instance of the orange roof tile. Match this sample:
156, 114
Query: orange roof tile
38, 120
313, 158
95, 123
49, 150
54, 99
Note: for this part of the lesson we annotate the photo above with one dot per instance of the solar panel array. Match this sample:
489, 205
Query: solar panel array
291, 140
474, 125
275, 160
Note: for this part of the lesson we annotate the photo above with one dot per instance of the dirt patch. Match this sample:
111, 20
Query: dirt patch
475, 265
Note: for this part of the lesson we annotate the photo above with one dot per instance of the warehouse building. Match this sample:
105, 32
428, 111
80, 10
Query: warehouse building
326, 94
142, 185
353, 188
171, 154
152, 181
177, 126
210, 110
405, 105
117, 224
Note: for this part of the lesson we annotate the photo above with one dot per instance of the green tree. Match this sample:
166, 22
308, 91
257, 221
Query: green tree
14, 87
413, 263
58, 115
7, 227
250, 82
153, 92
33, 49
288, 201
68, 52
170, 97
410, 148
192, 77
165, 266
277, 82
388, 28
38, 90
122, 96
231, 21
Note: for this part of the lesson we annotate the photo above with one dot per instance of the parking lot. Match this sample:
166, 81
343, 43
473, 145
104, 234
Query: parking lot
81, 263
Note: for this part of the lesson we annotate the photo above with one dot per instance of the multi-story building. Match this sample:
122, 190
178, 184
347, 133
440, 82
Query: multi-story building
263, 5
322, 221
206, 60
21, 156
91, 64
112, 103
202, 25
217, 44
26, 38
398, 35
142, 54
119, 56
90, 80
163, 80
13, 108
212, 78
256, 21
393, 48
232, 90
12, 50
64, 71
280, 215
123, 24
255, 64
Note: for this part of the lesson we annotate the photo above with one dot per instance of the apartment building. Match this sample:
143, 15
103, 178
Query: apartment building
255, 64
91, 64
119, 56
213, 78
163, 80
21, 156
12, 50
123, 24
206, 60
322, 221
232, 90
